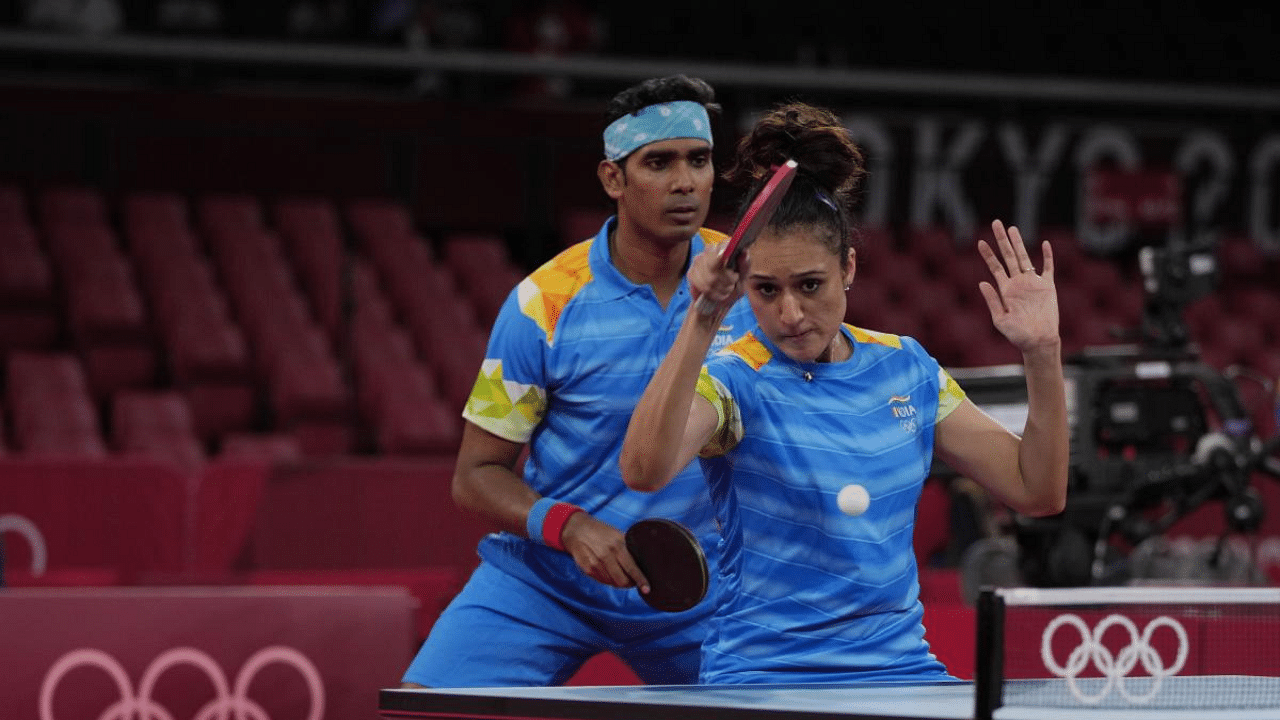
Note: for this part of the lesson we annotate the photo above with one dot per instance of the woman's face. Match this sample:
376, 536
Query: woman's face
796, 286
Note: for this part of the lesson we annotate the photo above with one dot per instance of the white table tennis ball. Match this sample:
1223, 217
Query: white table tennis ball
853, 500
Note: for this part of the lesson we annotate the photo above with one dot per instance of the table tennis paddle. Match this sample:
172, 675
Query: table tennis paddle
754, 221
671, 558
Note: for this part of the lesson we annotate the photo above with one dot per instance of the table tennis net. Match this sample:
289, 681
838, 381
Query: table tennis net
1166, 648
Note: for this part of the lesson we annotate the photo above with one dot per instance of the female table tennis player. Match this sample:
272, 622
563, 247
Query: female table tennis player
789, 415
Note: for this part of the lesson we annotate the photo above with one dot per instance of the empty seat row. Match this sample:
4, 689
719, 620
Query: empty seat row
156, 424
306, 391
208, 357
268, 319
427, 297
484, 271
51, 407
106, 317
397, 392
29, 317
53, 415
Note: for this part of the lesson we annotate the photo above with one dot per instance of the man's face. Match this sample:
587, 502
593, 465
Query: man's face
664, 189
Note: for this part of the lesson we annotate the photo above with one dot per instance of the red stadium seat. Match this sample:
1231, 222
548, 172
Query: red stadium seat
13, 205
218, 214
308, 397
899, 320
967, 339
378, 346
400, 398
1069, 257
312, 235
934, 248
1234, 340
865, 300
160, 210
29, 316
578, 224
117, 366
26, 276
375, 217
106, 306
207, 353
219, 407
53, 413
78, 205
77, 247
965, 276
204, 346
417, 423
273, 447
875, 239
105, 312
1242, 258
1258, 302
396, 391
1116, 295
370, 299
157, 425
483, 270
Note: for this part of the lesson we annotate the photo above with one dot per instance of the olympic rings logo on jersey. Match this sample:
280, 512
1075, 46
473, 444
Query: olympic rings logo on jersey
230, 703
1115, 668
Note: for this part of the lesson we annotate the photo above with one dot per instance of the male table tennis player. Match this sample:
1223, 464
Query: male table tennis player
570, 353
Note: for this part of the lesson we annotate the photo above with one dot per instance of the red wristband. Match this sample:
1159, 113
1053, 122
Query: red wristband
553, 524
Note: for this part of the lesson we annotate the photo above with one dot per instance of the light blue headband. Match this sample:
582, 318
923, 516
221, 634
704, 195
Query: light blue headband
679, 119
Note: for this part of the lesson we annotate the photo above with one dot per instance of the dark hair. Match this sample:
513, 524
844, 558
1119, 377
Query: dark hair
831, 169
661, 90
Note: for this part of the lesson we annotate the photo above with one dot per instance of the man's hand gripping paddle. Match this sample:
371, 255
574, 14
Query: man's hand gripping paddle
672, 560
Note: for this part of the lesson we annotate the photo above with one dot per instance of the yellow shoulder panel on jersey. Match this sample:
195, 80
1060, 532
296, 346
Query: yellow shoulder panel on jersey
872, 336
750, 350
546, 292
712, 237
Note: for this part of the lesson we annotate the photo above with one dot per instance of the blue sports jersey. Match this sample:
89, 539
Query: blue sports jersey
570, 354
810, 593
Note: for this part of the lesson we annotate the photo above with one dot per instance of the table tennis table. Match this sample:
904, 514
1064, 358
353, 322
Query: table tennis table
870, 701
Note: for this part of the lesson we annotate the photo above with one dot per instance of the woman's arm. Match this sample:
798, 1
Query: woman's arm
1029, 473
671, 422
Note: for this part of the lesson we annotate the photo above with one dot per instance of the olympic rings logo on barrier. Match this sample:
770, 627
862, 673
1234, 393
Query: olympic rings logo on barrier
24, 527
1115, 668
230, 703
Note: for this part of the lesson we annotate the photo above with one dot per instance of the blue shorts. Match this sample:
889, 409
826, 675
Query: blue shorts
504, 630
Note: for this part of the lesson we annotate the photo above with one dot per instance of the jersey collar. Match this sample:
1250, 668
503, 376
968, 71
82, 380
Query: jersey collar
613, 284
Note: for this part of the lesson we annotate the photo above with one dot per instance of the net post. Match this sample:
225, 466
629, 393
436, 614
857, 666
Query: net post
988, 683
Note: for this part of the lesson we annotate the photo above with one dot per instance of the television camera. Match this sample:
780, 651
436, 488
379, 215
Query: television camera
1155, 434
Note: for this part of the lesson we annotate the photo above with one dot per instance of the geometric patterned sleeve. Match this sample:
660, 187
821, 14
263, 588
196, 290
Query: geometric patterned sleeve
509, 398
950, 394
508, 409
728, 431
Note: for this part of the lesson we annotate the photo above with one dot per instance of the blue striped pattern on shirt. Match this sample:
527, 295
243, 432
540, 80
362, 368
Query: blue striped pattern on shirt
809, 592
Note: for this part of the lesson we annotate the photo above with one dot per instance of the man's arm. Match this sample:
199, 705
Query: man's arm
485, 482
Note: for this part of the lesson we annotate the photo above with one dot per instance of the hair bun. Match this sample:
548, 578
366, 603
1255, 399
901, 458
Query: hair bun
814, 137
